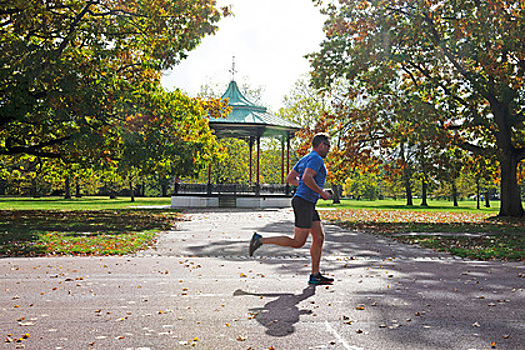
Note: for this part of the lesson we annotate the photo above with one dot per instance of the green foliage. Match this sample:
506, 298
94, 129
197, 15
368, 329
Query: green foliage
234, 167
72, 70
271, 161
81, 94
362, 186
168, 135
430, 73
303, 105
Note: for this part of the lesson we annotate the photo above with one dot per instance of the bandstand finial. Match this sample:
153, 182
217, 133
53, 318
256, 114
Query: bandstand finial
233, 71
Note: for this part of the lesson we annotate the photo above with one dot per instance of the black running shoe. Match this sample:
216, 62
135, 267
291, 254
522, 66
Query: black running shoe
255, 243
320, 279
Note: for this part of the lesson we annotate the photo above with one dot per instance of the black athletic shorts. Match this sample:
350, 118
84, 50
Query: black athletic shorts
305, 213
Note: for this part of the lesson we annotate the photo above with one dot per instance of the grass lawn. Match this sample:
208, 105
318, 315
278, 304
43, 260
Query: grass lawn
80, 226
83, 203
464, 231
400, 204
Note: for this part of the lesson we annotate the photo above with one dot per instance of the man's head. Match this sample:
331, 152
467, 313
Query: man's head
321, 144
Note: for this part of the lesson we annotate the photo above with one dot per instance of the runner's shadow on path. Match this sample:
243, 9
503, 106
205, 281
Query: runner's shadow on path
339, 241
280, 315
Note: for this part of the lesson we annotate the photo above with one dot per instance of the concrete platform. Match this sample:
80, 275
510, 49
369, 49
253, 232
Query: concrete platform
183, 202
264, 202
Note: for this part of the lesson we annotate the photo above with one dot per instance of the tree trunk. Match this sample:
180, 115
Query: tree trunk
477, 194
77, 189
336, 197
407, 175
112, 192
510, 191
131, 190
424, 194
455, 193
34, 188
67, 188
408, 192
487, 199
164, 186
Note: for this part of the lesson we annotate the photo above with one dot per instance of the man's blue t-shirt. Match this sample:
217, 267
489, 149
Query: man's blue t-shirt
315, 162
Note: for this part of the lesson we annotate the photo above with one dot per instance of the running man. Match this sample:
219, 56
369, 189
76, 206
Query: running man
309, 175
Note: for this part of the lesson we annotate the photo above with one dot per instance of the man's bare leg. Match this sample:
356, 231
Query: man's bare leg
316, 249
298, 240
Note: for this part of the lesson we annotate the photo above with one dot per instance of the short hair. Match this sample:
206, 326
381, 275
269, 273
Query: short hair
320, 138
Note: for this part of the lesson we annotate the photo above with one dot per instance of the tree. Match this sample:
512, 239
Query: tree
20, 175
450, 164
362, 185
484, 171
393, 183
233, 167
168, 135
446, 59
67, 64
303, 105
318, 111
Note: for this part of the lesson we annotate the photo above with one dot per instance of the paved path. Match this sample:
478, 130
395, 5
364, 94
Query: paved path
198, 289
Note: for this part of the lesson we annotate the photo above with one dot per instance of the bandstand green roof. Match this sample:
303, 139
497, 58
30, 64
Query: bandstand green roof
247, 119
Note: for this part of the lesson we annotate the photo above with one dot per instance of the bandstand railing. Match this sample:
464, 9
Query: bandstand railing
232, 189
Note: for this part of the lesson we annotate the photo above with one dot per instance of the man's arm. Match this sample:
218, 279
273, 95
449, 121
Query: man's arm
308, 178
293, 178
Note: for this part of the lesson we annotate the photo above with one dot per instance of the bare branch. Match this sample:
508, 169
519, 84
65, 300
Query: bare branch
475, 149
73, 27
36, 150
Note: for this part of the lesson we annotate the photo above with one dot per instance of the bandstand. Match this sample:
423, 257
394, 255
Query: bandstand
249, 122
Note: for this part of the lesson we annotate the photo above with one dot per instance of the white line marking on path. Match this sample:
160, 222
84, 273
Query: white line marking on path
341, 340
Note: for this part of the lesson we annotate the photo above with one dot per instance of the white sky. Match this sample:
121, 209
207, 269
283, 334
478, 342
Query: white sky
268, 38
